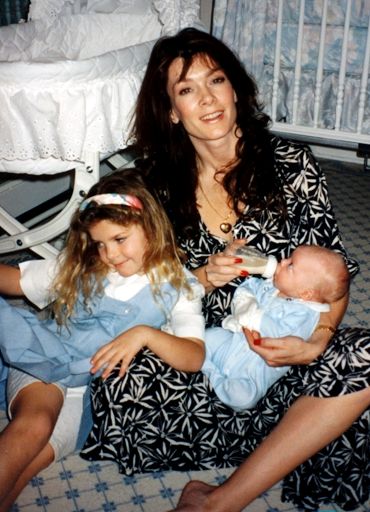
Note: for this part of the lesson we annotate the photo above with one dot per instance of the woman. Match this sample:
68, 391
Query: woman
222, 176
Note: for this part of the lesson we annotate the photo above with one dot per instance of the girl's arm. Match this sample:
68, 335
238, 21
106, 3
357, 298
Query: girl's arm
185, 354
10, 280
179, 344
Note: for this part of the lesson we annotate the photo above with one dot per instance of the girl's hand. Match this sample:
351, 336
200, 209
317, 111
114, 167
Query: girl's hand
284, 351
121, 350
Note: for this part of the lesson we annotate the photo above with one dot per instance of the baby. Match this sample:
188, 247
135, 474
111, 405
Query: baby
288, 304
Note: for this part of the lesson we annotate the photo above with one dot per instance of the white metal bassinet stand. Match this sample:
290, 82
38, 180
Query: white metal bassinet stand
37, 239
69, 78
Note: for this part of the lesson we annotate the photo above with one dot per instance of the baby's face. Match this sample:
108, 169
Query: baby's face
294, 275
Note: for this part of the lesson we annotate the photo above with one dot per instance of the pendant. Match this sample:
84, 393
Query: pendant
225, 227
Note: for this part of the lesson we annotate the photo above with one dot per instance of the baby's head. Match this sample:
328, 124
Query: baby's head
313, 273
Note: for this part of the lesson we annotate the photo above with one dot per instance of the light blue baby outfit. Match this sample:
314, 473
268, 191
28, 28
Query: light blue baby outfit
239, 376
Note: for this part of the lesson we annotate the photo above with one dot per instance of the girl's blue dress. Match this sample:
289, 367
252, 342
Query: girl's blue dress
62, 354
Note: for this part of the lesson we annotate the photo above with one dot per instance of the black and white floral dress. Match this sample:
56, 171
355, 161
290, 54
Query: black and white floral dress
157, 418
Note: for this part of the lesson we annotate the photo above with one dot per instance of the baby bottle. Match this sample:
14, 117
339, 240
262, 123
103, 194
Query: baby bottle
254, 262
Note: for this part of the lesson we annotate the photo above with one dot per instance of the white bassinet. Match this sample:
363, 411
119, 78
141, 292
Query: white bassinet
69, 77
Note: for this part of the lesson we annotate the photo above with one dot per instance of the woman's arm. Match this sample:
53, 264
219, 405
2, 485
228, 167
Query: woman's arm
317, 225
320, 338
293, 350
185, 354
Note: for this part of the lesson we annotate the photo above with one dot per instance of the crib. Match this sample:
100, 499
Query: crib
311, 61
69, 78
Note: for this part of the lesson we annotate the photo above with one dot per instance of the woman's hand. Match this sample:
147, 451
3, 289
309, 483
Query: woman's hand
221, 268
121, 350
284, 351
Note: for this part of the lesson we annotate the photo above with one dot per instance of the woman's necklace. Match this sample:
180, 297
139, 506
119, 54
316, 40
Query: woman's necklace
224, 226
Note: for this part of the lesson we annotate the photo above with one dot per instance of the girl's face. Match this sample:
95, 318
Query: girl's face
204, 101
120, 247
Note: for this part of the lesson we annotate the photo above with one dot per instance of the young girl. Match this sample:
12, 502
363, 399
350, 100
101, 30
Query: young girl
120, 272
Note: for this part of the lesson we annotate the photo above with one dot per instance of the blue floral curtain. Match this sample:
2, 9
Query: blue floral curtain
249, 28
241, 25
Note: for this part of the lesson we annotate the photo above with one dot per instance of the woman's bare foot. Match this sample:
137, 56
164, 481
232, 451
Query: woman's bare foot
194, 497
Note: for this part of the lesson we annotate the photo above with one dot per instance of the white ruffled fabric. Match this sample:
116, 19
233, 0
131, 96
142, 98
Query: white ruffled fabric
50, 9
76, 37
177, 14
69, 82
64, 109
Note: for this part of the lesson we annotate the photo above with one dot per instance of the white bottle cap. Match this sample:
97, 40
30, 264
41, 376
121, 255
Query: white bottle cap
270, 267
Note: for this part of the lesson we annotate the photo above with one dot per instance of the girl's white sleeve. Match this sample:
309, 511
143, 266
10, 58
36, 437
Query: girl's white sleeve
36, 279
187, 320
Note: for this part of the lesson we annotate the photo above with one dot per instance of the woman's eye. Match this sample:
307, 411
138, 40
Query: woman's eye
184, 91
120, 240
219, 80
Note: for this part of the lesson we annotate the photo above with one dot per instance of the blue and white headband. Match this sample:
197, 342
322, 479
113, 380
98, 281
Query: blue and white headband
107, 199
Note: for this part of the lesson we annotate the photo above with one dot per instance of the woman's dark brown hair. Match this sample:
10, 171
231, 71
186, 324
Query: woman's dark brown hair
169, 153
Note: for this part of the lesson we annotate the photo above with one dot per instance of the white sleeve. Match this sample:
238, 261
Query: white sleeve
187, 320
36, 279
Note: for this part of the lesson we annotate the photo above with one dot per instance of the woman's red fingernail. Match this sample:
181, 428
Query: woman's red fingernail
244, 273
257, 341
238, 260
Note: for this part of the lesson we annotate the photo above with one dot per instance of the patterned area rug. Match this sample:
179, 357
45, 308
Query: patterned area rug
80, 486
349, 188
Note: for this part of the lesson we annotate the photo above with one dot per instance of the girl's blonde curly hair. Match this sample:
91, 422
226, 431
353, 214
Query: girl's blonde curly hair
80, 268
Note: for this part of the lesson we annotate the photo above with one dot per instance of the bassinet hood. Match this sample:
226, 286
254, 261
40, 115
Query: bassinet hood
76, 37
82, 29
